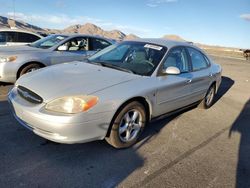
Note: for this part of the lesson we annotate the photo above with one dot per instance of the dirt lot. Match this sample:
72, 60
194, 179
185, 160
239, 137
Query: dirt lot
196, 148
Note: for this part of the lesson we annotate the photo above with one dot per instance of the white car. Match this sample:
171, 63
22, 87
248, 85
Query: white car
14, 37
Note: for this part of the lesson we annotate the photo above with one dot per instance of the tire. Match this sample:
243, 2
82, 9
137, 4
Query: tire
125, 130
208, 100
29, 68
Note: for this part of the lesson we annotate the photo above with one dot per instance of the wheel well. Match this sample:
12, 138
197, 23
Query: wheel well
141, 100
26, 64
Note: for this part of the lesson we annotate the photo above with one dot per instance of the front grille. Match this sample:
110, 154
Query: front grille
29, 95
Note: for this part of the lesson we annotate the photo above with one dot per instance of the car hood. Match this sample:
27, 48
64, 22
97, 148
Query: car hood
76, 78
19, 49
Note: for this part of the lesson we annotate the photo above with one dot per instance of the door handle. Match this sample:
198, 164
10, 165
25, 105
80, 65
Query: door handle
188, 81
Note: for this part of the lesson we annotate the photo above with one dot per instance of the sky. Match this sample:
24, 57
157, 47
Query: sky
214, 22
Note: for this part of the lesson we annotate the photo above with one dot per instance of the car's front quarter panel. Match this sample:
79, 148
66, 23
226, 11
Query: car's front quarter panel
111, 99
62, 128
9, 70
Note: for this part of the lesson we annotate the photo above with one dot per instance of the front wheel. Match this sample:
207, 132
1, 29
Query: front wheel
127, 125
29, 68
208, 101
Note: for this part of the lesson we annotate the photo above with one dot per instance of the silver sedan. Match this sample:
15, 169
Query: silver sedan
116, 92
18, 60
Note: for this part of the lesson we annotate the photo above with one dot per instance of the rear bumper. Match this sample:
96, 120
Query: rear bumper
67, 129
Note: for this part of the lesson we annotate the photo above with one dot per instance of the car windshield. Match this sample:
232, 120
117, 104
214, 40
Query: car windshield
48, 42
135, 57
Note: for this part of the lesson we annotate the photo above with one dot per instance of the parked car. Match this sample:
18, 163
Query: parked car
116, 92
16, 37
18, 60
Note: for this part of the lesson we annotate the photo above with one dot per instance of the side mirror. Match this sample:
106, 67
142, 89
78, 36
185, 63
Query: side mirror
172, 70
62, 48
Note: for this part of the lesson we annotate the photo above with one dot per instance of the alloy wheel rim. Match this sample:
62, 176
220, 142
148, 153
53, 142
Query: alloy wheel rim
31, 70
130, 125
210, 96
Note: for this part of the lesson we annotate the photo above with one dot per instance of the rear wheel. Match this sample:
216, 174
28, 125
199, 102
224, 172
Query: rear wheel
208, 101
127, 125
29, 68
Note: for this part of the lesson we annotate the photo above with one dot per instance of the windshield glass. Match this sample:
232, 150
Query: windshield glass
137, 57
49, 41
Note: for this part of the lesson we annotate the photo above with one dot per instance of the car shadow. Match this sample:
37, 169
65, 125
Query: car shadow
26, 156
242, 125
226, 84
5, 84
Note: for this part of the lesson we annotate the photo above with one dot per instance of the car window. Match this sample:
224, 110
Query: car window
207, 60
77, 44
49, 41
2, 37
177, 57
198, 60
9, 36
98, 44
26, 37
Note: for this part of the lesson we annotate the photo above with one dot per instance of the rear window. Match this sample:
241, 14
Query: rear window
8, 36
198, 60
11, 36
2, 37
97, 44
26, 37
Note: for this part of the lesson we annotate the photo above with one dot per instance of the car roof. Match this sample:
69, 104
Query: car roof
165, 42
19, 30
85, 35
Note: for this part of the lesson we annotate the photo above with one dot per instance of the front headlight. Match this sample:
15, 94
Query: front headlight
73, 104
7, 59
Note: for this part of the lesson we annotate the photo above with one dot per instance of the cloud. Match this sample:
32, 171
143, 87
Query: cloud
156, 3
245, 17
61, 21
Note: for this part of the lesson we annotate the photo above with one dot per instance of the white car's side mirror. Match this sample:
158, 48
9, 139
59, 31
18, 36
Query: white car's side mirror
62, 48
172, 70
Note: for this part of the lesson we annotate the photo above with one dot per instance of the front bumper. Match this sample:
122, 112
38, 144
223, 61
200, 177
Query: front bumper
8, 72
69, 129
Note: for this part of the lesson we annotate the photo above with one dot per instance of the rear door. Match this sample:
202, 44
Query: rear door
201, 74
174, 90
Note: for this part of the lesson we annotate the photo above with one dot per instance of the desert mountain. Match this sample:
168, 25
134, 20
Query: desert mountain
7, 23
92, 29
87, 28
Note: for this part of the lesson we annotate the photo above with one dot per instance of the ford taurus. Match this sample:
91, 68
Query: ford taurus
116, 92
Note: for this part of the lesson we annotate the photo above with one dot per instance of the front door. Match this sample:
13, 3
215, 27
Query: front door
75, 49
174, 90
